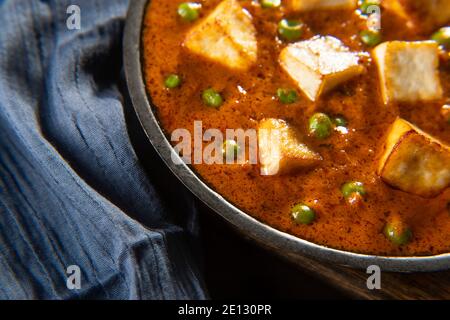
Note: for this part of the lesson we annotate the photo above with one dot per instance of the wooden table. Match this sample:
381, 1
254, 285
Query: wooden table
393, 285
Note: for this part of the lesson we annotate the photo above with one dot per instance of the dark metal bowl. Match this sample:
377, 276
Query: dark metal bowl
277, 241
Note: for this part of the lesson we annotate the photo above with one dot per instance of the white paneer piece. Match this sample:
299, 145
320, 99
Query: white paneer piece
309, 5
280, 149
409, 71
227, 36
319, 64
415, 162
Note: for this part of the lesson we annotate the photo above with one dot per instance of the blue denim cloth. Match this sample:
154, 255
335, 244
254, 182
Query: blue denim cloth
70, 180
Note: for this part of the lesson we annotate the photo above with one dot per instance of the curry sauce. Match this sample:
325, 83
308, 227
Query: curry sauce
250, 97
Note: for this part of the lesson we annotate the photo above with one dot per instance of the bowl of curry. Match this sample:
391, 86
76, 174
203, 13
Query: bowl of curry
318, 128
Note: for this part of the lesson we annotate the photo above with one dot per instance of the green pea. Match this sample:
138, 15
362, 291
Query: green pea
366, 4
212, 98
320, 126
353, 187
442, 36
270, 3
290, 30
370, 37
172, 81
230, 147
189, 11
398, 233
340, 121
302, 214
287, 96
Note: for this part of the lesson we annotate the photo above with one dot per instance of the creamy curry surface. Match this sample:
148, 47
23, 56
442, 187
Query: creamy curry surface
250, 97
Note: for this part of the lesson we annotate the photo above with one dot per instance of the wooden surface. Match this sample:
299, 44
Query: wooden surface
393, 285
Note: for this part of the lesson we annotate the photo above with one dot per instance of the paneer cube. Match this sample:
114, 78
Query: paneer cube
427, 15
280, 149
319, 64
309, 5
227, 36
409, 71
415, 162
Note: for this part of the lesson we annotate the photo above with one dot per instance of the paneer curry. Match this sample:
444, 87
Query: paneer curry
357, 91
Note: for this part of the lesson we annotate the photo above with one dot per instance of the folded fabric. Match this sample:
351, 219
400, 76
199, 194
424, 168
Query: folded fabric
71, 186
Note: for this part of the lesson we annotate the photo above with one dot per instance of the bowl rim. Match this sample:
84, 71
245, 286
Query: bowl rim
265, 235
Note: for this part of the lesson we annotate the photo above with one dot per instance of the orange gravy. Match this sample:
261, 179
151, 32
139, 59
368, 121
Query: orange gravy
349, 157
